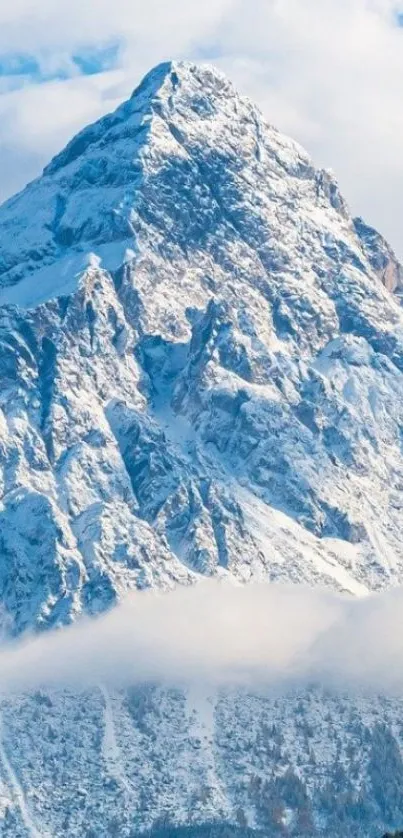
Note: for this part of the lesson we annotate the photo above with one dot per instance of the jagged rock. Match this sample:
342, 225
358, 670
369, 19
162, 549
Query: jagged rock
381, 257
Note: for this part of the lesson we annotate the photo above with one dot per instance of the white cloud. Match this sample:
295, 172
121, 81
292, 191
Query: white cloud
43, 24
218, 633
326, 71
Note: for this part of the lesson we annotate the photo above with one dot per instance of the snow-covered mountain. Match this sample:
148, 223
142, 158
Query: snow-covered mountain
201, 367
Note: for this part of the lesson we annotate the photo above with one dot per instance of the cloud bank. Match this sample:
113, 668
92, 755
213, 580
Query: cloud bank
216, 633
326, 71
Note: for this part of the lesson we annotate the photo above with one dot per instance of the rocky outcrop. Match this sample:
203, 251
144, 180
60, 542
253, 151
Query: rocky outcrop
381, 257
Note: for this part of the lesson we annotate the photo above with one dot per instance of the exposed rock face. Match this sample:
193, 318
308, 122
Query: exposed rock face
381, 257
201, 369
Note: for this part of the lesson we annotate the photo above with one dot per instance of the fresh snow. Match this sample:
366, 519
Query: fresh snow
110, 749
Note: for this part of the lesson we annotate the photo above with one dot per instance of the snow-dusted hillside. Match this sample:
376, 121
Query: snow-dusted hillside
201, 370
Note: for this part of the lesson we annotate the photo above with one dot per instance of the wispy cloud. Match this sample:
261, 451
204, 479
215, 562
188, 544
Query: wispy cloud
221, 634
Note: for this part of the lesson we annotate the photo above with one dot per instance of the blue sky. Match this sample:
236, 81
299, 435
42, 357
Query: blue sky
86, 61
328, 72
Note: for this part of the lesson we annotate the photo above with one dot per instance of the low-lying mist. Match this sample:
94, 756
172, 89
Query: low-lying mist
215, 632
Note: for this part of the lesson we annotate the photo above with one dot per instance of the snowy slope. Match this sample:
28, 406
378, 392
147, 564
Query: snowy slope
201, 367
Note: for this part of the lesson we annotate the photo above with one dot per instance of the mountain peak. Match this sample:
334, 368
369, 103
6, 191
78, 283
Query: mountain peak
182, 73
184, 120
167, 86
185, 163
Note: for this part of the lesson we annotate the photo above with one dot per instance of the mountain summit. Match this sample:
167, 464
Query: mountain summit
201, 369
102, 190
187, 132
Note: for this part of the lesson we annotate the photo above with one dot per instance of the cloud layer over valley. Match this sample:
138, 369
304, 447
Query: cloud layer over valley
221, 634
